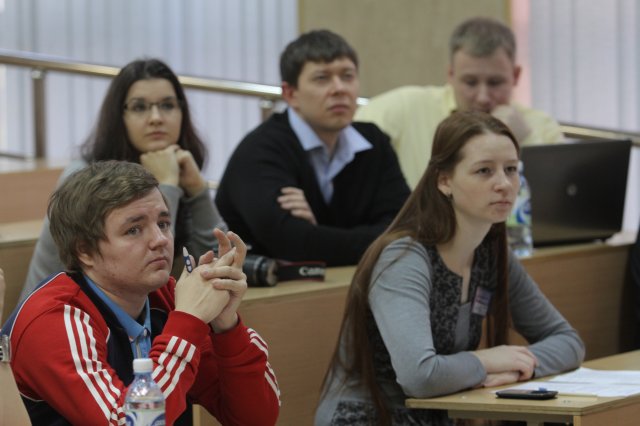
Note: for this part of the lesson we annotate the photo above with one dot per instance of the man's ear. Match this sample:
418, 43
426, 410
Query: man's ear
289, 94
85, 256
517, 70
450, 73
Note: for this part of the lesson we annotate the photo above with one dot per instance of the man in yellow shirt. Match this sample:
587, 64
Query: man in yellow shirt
482, 74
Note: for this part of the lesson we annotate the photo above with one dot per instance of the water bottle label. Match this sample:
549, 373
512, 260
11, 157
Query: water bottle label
523, 212
519, 222
145, 418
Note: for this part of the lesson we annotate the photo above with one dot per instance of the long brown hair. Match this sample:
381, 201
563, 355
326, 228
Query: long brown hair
109, 139
427, 217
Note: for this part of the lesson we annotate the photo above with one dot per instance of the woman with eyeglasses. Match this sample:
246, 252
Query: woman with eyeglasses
145, 119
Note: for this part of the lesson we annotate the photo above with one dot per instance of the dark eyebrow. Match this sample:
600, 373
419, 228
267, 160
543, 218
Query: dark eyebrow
164, 214
141, 98
491, 162
483, 162
135, 219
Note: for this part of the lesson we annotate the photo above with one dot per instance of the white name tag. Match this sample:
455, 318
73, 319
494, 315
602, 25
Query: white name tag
481, 301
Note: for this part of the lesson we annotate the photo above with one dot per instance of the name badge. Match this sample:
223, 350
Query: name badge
481, 301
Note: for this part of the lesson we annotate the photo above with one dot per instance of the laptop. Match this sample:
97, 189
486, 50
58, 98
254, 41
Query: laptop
577, 189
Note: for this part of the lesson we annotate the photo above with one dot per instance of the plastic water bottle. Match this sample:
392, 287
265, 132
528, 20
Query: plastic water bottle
519, 222
144, 403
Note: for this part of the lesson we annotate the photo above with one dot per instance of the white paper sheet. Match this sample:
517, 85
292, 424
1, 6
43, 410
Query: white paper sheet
588, 382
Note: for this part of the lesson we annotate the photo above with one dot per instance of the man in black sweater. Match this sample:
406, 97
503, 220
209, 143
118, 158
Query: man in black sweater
308, 184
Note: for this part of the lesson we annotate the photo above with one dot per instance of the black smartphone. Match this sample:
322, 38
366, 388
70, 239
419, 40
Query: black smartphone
527, 393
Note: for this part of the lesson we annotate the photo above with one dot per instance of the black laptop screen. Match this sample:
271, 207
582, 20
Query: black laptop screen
577, 189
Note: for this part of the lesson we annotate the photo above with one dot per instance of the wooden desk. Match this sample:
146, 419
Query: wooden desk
300, 320
581, 411
26, 186
300, 323
12, 409
17, 242
589, 285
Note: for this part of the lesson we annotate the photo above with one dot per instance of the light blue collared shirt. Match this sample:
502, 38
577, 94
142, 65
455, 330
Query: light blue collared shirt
327, 167
139, 335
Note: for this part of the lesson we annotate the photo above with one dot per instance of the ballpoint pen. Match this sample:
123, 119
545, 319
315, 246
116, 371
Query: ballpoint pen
187, 260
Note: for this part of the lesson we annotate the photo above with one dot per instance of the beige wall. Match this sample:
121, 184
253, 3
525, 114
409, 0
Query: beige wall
398, 41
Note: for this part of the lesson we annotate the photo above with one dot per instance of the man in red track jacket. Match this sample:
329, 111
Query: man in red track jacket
75, 337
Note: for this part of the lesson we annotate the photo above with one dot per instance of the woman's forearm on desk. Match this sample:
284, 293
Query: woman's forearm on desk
554, 342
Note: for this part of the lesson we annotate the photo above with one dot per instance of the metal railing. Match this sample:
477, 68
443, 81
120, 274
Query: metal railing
40, 65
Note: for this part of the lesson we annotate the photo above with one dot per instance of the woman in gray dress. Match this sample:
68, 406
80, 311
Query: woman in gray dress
422, 291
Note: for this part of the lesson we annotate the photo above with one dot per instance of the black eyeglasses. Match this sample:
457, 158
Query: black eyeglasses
141, 108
